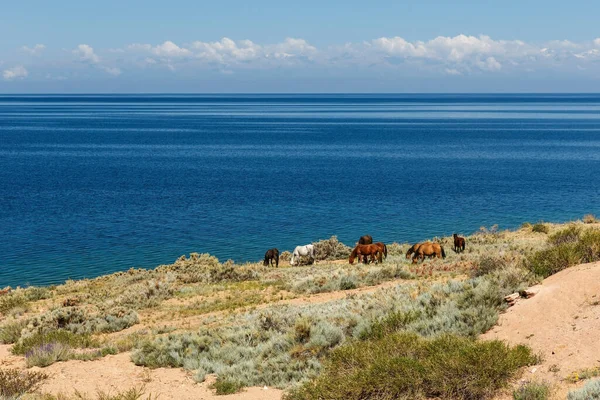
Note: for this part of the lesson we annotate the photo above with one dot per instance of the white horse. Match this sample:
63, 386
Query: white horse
308, 250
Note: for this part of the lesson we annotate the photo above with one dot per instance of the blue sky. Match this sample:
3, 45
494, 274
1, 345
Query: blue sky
308, 46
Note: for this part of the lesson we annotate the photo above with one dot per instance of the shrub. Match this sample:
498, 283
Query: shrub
11, 301
47, 354
570, 234
285, 255
540, 227
347, 283
526, 225
226, 386
406, 366
532, 391
487, 264
549, 261
590, 219
591, 390
10, 332
37, 293
331, 249
25, 345
82, 320
15, 383
206, 268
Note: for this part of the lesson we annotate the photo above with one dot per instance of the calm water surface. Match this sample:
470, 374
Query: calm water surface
95, 184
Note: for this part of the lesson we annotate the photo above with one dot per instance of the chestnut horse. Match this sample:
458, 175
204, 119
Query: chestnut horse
382, 248
459, 243
428, 249
366, 250
272, 256
366, 239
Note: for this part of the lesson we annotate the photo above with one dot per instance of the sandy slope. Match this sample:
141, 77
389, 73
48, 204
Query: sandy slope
562, 322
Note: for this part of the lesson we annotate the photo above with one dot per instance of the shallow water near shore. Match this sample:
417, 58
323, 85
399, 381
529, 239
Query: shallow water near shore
94, 184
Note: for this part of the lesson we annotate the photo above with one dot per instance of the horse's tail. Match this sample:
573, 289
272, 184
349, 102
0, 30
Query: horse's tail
384, 250
443, 252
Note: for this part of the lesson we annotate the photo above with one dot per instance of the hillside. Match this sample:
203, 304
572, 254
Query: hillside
263, 331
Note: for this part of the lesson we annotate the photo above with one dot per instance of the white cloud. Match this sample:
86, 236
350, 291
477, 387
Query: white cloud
170, 49
86, 53
111, 71
35, 50
18, 72
597, 42
490, 64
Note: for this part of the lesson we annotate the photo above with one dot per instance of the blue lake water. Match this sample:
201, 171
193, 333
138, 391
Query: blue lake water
93, 184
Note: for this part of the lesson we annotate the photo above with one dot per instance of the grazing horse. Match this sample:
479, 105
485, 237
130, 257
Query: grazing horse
459, 243
428, 249
307, 250
272, 256
362, 251
382, 248
366, 239
413, 248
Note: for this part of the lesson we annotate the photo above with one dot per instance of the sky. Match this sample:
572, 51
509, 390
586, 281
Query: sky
229, 46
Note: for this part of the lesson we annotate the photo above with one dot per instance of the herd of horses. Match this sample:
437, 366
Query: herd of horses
367, 251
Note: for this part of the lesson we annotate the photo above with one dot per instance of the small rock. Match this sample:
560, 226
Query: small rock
265, 388
533, 370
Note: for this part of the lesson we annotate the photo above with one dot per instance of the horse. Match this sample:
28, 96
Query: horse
459, 243
412, 249
428, 249
366, 239
307, 250
272, 255
382, 248
366, 250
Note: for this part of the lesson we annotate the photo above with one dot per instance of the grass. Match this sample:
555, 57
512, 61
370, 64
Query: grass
583, 374
136, 393
15, 383
63, 337
532, 391
404, 365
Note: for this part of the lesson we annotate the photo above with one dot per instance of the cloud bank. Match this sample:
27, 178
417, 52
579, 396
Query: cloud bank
460, 55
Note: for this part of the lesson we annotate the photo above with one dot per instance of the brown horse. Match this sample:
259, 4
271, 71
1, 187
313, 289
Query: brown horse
272, 256
413, 248
366, 239
365, 250
428, 249
459, 243
382, 248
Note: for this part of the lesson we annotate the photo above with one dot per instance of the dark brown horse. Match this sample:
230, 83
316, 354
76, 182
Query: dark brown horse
459, 243
428, 249
365, 250
366, 239
272, 256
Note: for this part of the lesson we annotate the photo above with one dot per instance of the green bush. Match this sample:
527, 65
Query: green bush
10, 331
590, 391
532, 391
11, 301
487, 264
570, 251
226, 386
570, 234
47, 354
64, 337
405, 365
540, 228
15, 383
